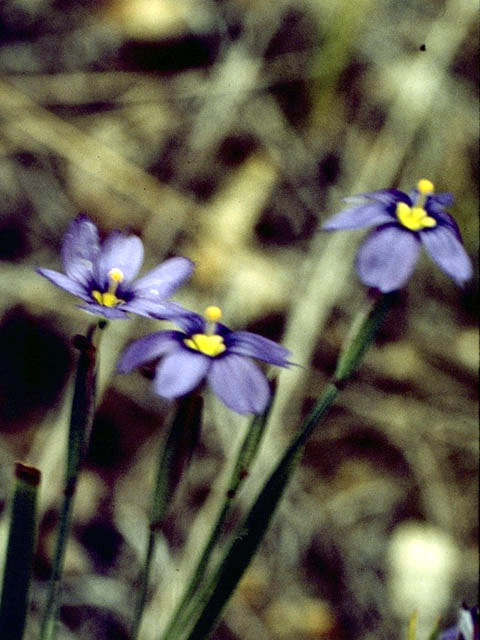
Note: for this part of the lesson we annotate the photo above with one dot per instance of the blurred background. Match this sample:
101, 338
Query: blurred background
227, 131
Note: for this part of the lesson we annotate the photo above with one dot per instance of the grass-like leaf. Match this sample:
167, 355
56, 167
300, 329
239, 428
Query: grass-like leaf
20, 548
174, 456
81, 420
206, 607
245, 459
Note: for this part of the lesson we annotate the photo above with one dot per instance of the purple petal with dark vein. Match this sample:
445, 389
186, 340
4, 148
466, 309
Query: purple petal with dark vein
80, 249
112, 313
239, 384
148, 348
119, 252
157, 309
449, 634
387, 258
444, 247
189, 321
442, 199
367, 215
245, 343
64, 282
164, 280
445, 219
383, 196
180, 372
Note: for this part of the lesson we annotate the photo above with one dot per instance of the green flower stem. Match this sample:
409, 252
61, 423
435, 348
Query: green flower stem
246, 456
174, 455
81, 420
435, 634
412, 626
20, 548
207, 605
362, 334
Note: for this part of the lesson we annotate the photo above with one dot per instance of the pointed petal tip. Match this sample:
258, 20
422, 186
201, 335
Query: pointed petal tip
64, 282
446, 249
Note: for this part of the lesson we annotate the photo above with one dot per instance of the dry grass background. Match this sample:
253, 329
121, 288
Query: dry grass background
227, 131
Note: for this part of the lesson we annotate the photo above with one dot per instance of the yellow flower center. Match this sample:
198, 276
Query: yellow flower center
108, 298
209, 345
425, 186
414, 218
213, 314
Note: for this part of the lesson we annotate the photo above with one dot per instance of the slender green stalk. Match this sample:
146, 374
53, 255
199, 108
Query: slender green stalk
246, 456
20, 548
412, 626
144, 582
205, 608
435, 634
174, 455
81, 420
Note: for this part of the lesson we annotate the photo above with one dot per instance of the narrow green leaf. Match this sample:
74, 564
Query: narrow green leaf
435, 633
213, 597
208, 604
361, 336
175, 455
248, 451
81, 420
412, 626
20, 549
246, 456
83, 403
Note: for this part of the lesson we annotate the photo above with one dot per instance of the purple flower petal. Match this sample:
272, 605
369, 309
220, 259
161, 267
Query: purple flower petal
441, 199
466, 627
446, 249
80, 250
383, 196
239, 384
367, 215
119, 252
180, 372
161, 310
445, 219
449, 634
189, 321
165, 279
112, 313
64, 282
245, 343
387, 258
148, 348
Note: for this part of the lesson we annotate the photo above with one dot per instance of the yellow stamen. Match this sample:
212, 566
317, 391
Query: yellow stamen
209, 345
116, 275
213, 314
425, 186
108, 298
414, 218
98, 296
